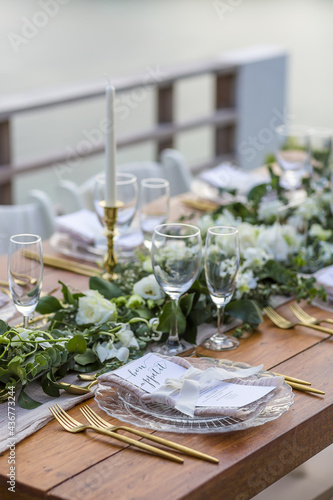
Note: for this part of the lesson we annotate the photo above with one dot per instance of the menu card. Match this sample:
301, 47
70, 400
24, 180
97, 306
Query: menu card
150, 372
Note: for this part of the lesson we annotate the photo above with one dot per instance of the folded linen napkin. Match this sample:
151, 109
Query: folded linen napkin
27, 422
82, 225
187, 389
228, 176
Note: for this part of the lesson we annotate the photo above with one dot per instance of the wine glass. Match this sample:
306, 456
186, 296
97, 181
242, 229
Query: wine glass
320, 150
25, 272
154, 206
293, 147
127, 194
176, 260
221, 269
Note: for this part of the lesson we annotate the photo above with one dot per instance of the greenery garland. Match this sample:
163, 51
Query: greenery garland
113, 322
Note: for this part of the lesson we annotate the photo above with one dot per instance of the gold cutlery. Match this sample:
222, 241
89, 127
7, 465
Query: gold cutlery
305, 388
60, 263
98, 421
72, 425
292, 379
303, 316
203, 205
285, 324
300, 385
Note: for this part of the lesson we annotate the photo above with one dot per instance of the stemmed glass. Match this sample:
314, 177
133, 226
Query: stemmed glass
154, 206
25, 272
221, 269
320, 150
176, 260
127, 194
292, 154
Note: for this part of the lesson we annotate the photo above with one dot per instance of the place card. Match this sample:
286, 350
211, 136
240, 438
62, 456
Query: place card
150, 372
233, 395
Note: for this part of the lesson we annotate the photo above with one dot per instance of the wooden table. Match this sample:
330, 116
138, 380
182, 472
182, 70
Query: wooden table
57, 465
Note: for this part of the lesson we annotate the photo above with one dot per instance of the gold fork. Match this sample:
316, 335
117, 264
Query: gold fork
303, 316
72, 425
284, 323
98, 421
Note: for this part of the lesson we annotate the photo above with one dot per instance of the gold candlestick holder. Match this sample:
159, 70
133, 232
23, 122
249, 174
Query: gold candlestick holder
110, 259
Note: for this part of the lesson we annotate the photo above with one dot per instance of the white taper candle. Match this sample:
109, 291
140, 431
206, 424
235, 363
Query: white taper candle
110, 150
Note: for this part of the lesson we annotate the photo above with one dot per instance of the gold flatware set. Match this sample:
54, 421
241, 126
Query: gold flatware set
101, 426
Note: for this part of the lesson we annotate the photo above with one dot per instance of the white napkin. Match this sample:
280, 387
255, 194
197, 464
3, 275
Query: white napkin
83, 226
228, 176
27, 422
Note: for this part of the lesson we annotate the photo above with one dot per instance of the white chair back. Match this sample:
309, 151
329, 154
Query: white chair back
171, 167
35, 217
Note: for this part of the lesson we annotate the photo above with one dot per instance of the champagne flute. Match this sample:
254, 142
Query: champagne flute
221, 269
292, 154
176, 260
25, 272
154, 206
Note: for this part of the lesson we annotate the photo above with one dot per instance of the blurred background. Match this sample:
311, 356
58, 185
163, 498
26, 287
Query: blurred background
90, 40
94, 40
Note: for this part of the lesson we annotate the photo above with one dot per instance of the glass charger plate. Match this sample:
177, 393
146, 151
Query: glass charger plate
128, 408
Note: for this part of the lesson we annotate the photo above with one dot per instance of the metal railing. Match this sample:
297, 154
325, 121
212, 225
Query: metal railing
223, 118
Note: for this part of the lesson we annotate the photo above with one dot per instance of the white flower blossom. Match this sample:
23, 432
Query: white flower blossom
96, 309
317, 231
148, 288
268, 210
254, 257
247, 236
245, 282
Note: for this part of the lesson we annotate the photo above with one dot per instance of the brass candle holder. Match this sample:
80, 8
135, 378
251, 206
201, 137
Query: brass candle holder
110, 259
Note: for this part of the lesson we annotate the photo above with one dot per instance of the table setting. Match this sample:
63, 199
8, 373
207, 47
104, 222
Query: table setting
176, 333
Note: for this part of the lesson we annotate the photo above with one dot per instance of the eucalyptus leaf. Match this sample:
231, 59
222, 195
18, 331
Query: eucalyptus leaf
48, 304
86, 358
26, 401
245, 310
106, 288
77, 344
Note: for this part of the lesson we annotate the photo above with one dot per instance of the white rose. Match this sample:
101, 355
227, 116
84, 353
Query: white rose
271, 240
148, 288
247, 236
94, 308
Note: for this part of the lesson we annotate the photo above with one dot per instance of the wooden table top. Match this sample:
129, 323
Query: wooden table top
55, 464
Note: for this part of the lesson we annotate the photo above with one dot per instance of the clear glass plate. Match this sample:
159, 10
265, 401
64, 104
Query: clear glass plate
128, 408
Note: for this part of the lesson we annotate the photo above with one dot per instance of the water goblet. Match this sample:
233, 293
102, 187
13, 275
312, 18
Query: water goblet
154, 206
293, 147
221, 269
25, 272
127, 195
176, 260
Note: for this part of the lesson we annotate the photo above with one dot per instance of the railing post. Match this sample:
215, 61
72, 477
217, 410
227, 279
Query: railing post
164, 114
225, 98
5, 159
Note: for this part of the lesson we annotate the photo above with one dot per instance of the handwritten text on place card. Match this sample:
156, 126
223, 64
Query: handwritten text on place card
150, 372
